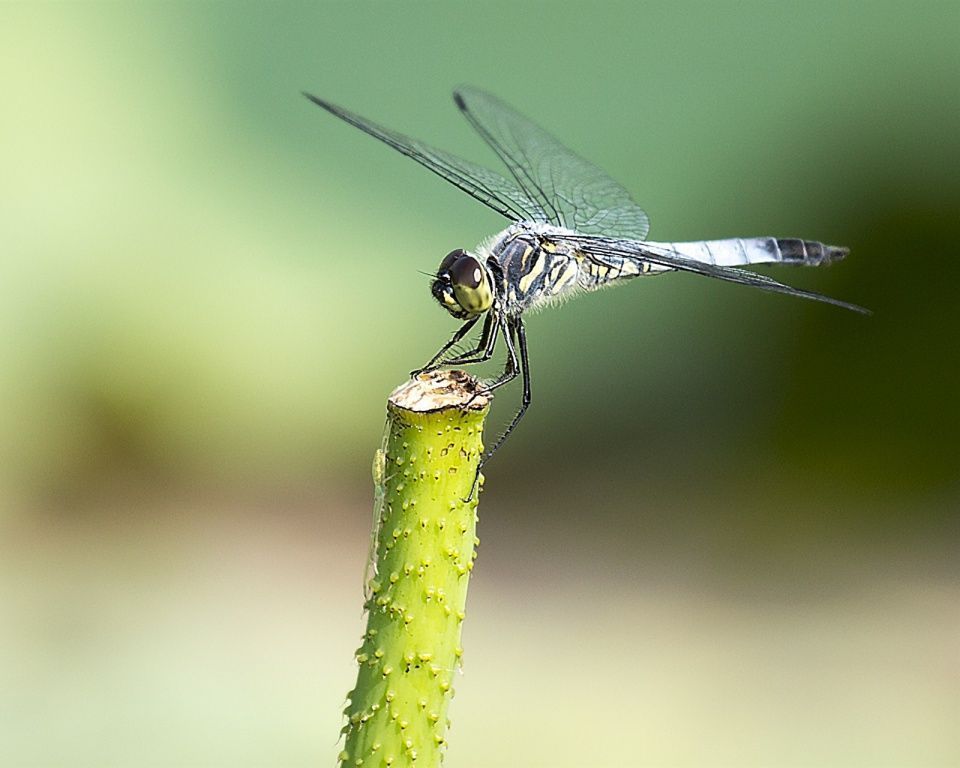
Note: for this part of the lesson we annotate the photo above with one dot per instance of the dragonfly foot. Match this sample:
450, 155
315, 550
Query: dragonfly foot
476, 484
474, 396
425, 369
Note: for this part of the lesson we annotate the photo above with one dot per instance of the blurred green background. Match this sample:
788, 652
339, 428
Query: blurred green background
726, 534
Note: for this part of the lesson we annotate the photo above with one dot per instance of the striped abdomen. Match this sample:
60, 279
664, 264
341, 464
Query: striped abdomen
597, 273
740, 251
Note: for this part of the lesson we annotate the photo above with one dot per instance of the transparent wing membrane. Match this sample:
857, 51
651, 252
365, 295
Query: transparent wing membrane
573, 192
597, 248
575, 229
552, 185
490, 188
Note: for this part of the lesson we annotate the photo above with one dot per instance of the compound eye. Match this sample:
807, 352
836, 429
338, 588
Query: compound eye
449, 259
466, 272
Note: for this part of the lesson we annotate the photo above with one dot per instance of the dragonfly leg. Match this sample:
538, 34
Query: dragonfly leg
521, 341
514, 336
462, 331
485, 345
511, 369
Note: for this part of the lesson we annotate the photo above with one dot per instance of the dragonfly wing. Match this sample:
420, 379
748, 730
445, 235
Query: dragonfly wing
600, 248
489, 187
574, 193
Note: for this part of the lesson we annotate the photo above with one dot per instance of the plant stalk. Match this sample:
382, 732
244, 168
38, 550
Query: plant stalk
422, 552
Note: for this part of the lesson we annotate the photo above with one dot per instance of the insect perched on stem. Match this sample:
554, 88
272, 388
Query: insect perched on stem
572, 229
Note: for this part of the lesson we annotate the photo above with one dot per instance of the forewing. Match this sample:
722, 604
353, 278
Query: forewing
597, 248
489, 187
574, 193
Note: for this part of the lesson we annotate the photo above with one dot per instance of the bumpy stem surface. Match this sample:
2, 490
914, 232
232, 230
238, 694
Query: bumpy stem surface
423, 550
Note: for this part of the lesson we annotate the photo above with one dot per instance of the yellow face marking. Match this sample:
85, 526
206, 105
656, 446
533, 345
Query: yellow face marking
533, 274
474, 300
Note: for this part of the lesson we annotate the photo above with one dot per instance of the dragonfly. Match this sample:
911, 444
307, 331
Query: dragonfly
572, 229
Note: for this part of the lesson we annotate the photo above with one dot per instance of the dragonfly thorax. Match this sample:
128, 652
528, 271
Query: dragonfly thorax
463, 285
539, 266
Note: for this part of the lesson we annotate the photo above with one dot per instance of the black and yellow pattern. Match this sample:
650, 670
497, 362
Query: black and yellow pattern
539, 269
573, 229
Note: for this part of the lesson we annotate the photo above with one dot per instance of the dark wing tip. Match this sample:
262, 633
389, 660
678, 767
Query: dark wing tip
847, 305
333, 109
316, 100
465, 91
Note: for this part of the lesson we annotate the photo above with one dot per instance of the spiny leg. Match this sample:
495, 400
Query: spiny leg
503, 325
462, 331
511, 368
485, 345
513, 335
521, 340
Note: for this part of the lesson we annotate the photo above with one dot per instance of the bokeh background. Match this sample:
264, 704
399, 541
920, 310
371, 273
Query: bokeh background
726, 534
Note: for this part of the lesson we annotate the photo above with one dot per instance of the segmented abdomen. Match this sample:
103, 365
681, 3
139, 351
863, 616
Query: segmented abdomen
740, 251
595, 273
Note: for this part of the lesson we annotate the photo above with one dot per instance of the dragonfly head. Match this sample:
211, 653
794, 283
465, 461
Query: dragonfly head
462, 285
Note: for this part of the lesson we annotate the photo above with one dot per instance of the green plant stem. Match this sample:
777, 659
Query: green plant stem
423, 550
